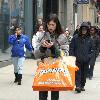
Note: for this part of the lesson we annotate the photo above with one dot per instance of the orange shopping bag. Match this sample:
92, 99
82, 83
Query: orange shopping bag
54, 76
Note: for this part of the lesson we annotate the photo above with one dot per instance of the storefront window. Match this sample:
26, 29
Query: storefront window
40, 8
11, 13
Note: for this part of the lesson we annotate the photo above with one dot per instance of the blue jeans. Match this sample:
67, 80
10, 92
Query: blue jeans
18, 64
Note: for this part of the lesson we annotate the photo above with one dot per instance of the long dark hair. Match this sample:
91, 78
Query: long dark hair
41, 25
53, 17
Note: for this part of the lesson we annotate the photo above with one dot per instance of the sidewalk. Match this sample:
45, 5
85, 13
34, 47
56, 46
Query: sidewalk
5, 58
6, 55
11, 91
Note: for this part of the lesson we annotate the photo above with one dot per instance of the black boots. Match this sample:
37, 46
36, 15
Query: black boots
19, 79
82, 88
78, 89
16, 77
90, 77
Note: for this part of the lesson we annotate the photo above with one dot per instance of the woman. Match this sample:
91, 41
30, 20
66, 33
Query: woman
82, 48
36, 41
64, 41
39, 21
96, 40
49, 42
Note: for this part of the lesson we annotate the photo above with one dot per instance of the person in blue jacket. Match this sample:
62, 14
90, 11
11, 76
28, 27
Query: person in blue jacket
19, 44
82, 48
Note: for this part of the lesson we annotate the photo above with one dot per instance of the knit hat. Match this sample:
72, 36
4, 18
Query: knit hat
85, 24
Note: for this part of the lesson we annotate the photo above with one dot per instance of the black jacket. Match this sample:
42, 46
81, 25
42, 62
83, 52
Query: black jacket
96, 41
81, 48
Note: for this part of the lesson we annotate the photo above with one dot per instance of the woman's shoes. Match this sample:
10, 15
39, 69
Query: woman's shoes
90, 77
82, 89
16, 78
19, 83
78, 89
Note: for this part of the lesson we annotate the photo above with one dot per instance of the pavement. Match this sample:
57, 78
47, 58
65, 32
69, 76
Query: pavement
5, 58
11, 91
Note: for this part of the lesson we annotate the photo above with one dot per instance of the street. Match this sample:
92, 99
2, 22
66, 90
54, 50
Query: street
11, 91
48, 26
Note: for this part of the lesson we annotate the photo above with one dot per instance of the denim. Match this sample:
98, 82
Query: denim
18, 64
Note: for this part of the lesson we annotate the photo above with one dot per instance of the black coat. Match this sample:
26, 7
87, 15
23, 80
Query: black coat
81, 48
96, 41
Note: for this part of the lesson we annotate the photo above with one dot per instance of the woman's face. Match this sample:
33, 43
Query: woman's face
41, 29
51, 26
84, 30
67, 33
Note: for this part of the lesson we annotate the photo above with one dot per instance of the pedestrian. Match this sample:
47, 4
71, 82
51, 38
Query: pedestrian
96, 40
98, 28
19, 44
39, 21
82, 48
36, 41
64, 41
49, 42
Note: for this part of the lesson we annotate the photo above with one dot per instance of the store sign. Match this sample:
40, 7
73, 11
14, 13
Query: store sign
82, 1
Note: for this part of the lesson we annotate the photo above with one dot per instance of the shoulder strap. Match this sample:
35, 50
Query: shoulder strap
43, 36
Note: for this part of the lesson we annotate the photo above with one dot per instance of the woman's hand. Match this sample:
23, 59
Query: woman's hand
46, 44
49, 45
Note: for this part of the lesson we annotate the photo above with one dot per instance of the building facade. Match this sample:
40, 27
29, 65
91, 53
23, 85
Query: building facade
26, 12
87, 12
98, 11
65, 9
11, 13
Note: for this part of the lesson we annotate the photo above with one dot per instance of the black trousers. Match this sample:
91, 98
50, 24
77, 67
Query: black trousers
90, 71
44, 94
80, 77
91, 67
